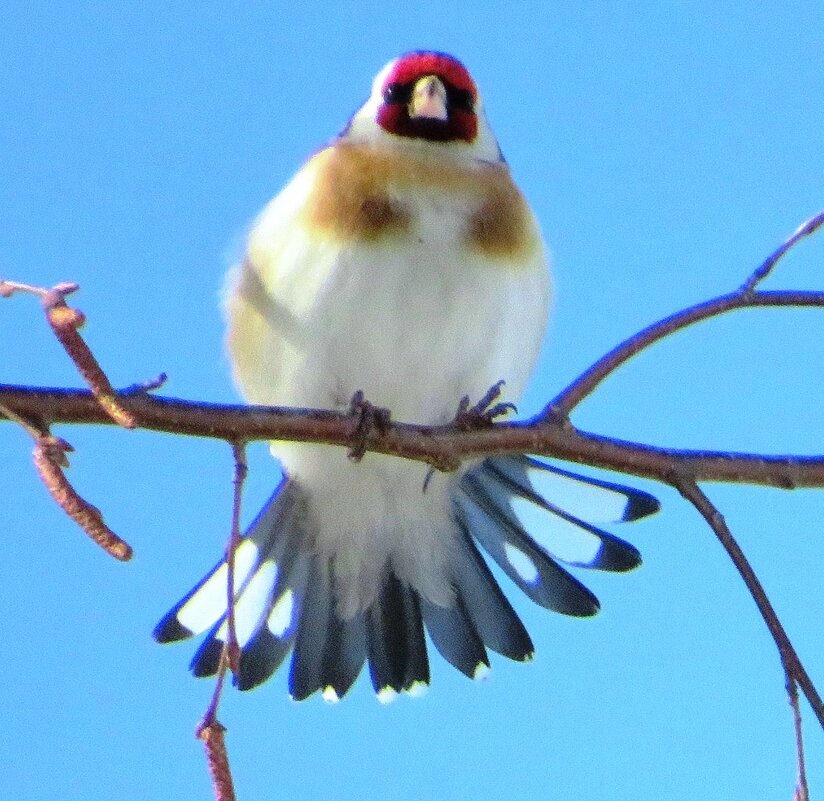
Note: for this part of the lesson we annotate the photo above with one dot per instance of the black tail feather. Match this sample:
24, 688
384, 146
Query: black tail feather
396, 645
455, 637
343, 656
491, 614
305, 675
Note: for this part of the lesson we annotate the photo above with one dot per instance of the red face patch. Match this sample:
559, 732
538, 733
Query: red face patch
461, 94
412, 66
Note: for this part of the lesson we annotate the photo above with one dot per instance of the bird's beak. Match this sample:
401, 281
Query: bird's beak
428, 99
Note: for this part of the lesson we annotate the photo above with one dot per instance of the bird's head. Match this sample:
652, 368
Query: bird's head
427, 100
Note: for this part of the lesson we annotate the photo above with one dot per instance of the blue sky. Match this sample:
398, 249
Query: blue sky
667, 149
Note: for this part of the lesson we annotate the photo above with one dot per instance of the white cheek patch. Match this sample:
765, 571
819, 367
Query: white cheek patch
558, 537
523, 565
208, 604
280, 621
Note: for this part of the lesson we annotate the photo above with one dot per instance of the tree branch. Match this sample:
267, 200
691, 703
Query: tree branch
805, 229
443, 447
794, 670
744, 297
66, 323
210, 730
583, 386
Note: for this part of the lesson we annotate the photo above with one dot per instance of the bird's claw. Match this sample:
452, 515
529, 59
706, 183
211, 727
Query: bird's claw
366, 418
485, 411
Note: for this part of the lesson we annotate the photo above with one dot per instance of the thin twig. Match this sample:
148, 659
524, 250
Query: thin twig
744, 297
805, 229
144, 387
586, 383
9, 288
789, 658
65, 322
50, 458
802, 790
241, 471
210, 730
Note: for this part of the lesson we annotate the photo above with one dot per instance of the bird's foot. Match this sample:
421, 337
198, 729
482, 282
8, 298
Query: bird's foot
485, 411
366, 418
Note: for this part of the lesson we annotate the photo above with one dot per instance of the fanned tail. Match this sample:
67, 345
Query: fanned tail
530, 517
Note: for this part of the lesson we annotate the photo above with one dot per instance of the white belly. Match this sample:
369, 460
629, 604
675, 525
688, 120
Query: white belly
416, 326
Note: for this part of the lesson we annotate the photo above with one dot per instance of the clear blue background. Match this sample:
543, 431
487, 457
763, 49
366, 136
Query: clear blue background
667, 149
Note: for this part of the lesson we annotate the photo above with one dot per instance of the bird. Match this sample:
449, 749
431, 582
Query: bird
401, 264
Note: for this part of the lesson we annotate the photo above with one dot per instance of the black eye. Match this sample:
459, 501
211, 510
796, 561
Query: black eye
459, 99
397, 93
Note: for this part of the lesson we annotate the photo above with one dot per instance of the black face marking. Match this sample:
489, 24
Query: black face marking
459, 98
456, 99
397, 93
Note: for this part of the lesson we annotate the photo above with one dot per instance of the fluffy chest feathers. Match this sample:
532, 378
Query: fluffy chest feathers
364, 194
414, 279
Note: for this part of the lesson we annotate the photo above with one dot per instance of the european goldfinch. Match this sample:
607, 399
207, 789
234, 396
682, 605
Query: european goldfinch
401, 261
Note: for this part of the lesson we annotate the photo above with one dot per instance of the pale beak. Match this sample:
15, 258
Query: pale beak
428, 99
